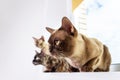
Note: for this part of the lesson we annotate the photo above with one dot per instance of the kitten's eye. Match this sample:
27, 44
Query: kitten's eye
40, 43
37, 58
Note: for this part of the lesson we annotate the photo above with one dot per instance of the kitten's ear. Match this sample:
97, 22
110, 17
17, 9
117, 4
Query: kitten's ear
42, 37
35, 39
36, 52
50, 30
67, 25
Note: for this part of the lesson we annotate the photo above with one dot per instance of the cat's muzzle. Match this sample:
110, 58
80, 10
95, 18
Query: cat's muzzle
35, 62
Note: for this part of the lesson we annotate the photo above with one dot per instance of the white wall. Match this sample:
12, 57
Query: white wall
19, 21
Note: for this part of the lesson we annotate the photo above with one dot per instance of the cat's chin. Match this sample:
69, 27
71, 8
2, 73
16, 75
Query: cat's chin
35, 63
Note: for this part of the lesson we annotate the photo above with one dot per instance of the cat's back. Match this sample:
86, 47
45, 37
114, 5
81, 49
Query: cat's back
90, 41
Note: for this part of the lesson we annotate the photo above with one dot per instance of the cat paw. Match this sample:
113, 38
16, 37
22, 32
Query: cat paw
100, 70
86, 69
47, 71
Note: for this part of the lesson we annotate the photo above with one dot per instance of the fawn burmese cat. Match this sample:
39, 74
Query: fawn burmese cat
51, 63
86, 54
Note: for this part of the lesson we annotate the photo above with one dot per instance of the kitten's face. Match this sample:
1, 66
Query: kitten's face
39, 42
43, 59
38, 58
62, 41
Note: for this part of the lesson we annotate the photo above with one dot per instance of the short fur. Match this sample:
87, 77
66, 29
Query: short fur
53, 64
86, 53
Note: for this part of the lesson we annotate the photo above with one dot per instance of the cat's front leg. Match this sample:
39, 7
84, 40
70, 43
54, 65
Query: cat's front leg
87, 69
48, 70
91, 65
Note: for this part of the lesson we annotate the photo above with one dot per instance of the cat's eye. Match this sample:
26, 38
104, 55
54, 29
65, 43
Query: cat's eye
37, 58
40, 43
57, 42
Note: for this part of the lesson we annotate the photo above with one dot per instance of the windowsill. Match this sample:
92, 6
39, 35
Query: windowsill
81, 76
114, 74
115, 67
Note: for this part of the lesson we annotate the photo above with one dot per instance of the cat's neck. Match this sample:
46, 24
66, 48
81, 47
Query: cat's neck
79, 46
79, 50
45, 48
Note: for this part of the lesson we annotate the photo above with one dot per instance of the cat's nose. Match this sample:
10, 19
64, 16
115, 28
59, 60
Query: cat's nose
34, 62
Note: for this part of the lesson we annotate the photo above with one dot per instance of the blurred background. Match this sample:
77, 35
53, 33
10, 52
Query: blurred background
20, 20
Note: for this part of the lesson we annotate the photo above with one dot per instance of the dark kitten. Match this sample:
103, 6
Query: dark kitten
87, 54
53, 64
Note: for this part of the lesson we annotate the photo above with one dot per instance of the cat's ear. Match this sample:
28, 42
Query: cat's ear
42, 38
67, 25
36, 52
35, 39
50, 30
